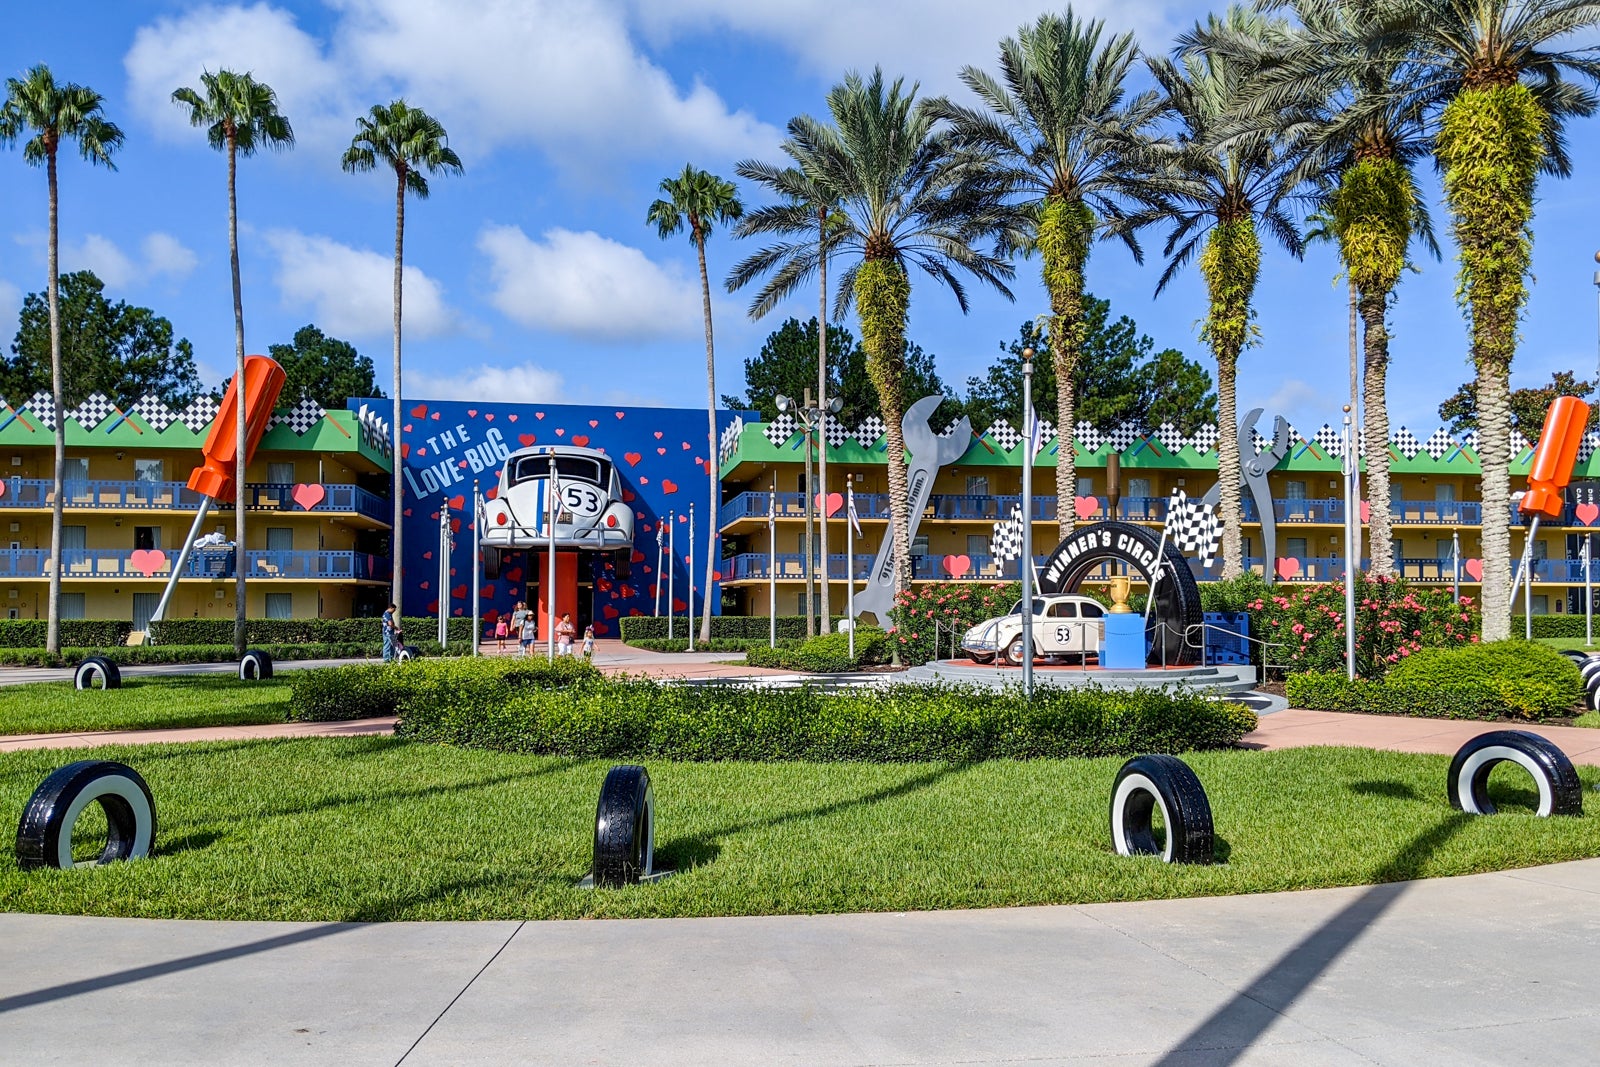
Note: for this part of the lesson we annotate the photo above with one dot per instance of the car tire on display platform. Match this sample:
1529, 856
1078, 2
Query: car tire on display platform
44, 836
255, 665
1146, 784
981, 658
1560, 792
1013, 653
97, 669
624, 828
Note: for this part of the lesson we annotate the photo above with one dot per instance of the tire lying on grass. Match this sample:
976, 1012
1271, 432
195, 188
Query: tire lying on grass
44, 836
1146, 784
1591, 692
1578, 658
408, 652
255, 665
624, 828
97, 669
1560, 792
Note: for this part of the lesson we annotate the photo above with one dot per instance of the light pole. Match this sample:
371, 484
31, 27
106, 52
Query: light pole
1597, 306
810, 417
1027, 524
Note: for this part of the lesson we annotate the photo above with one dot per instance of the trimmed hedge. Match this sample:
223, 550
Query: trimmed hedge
718, 644
132, 655
1549, 625
634, 628
75, 633
299, 631
369, 690
639, 718
825, 653
1505, 679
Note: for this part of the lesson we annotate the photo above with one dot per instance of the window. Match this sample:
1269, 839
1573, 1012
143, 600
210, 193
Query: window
280, 539
75, 469
1445, 549
1038, 608
919, 546
146, 537
1444, 493
280, 605
1297, 547
977, 545
1541, 605
1086, 487
1396, 549
1093, 611
1139, 487
72, 606
1063, 610
977, 485
1295, 490
1541, 550
582, 468
280, 473
75, 537
144, 606
149, 471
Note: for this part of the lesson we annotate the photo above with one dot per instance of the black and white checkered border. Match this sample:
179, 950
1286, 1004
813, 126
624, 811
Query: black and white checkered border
200, 413
779, 429
1439, 443
154, 413
871, 431
1006, 544
1002, 434
1088, 437
43, 407
1405, 442
730, 439
1329, 440
95, 409
302, 417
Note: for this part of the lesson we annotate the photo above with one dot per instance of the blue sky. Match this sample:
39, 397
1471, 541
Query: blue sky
534, 276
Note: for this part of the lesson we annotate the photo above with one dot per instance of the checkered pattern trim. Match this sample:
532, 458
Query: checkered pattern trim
833, 431
1204, 439
1258, 443
1088, 437
1123, 437
1587, 447
302, 417
871, 431
1329, 440
1170, 437
199, 414
1006, 544
1438, 443
1002, 434
43, 406
1047, 433
1192, 527
1405, 442
154, 413
730, 439
94, 410
779, 429
1519, 443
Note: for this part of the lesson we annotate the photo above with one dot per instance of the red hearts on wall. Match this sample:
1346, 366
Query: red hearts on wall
147, 561
581, 440
1287, 567
1086, 507
668, 485
633, 458
956, 566
1586, 513
1474, 568
527, 439
307, 496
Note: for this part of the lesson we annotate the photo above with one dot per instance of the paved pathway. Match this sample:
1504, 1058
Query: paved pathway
1296, 728
1492, 969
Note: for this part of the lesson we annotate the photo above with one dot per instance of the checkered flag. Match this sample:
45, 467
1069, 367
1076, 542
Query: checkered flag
1007, 541
1192, 527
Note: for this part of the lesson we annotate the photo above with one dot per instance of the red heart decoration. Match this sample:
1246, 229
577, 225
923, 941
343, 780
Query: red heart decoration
658, 435
560, 432
433, 606
620, 414
686, 446
309, 496
835, 502
1586, 513
455, 527
661, 451
458, 501
608, 611
406, 513
956, 566
526, 439
513, 575
603, 584
1474, 568
405, 451
581, 440
428, 554
633, 458
627, 591
406, 427
638, 557
1366, 512
628, 497
668, 485
147, 561
462, 464
1287, 567
434, 416
643, 480
420, 411
488, 416
1086, 506
493, 491
424, 585
513, 418
593, 423
487, 590
459, 593
539, 415
601, 629
491, 616
472, 413
678, 605
422, 451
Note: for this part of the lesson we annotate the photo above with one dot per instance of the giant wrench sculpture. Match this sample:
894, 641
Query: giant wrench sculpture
929, 452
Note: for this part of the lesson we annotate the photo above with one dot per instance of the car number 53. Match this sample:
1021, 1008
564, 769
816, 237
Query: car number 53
584, 499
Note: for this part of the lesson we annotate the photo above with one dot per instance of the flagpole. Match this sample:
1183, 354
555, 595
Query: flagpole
772, 569
672, 569
1352, 542
689, 561
1026, 569
477, 566
444, 569
550, 571
849, 564
660, 542
1588, 590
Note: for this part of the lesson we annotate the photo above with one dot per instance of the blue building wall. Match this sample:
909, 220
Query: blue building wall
660, 454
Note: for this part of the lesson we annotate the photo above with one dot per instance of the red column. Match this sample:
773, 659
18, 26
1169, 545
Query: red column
566, 588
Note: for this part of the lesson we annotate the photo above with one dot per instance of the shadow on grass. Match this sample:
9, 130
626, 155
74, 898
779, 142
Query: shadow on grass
1230, 1031
187, 843
1392, 790
419, 793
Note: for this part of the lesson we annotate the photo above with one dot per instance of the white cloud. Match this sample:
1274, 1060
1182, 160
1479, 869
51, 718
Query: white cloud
162, 255
10, 308
165, 254
524, 384
556, 73
587, 285
351, 290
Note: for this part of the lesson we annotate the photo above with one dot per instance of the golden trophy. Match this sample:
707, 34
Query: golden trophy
1118, 587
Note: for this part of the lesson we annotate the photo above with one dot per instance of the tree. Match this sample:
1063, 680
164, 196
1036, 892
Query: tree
1063, 140
700, 201
239, 115
408, 141
1220, 183
908, 196
324, 369
120, 350
1528, 406
1119, 379
46, 113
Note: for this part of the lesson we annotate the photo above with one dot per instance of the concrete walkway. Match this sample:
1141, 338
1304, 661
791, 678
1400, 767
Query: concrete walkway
1491, 969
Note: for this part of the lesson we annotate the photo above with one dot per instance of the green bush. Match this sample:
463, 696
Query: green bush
76, 633
935, 608
636, 628
133, 655
1304, 624
1506, 679
718, 644
825, 653
299, 631
367, 690
1233, 594
1550, 625
638, 718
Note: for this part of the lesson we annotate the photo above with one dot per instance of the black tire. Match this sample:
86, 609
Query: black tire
44, 836
491, 562
1560, 792
624, 828
983, 658
622, 565
1589, 667
1143, 784
255, 665
1013, 652
408, 653
1591, 692
1578, 658
97, 668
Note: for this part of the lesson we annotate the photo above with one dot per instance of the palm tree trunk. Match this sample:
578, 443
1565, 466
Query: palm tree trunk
240, 446
52, 637
712, 470
883, 293
1231, 264
1376, 435
1228, 469
1065, 228
396, 537
822, 403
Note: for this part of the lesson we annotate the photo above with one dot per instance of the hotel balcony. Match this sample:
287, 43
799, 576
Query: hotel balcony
214, 564
335, 498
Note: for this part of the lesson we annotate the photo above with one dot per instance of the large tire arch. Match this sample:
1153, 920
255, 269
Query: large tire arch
1177, 602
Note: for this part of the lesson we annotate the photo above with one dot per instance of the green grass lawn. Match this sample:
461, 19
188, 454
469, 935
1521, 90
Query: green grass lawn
142, 704
1576, 643
379, 828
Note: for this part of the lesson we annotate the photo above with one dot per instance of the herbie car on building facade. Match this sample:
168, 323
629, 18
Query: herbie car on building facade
1063, 625
592, 513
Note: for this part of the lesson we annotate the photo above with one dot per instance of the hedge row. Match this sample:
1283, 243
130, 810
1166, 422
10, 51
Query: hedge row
368, 690
1549, 625
77, 633
131, 655
749, 627
638, 718
718, 644
825, 653
298, 631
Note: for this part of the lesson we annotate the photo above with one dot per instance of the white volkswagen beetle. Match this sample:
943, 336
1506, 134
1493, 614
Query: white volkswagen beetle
592, 512
1064, 624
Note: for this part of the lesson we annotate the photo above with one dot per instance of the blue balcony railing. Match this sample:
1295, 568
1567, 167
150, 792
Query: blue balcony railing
129, 564
177, 496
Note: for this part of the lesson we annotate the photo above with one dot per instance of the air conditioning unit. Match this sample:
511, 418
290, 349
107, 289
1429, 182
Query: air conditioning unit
16, 461
16, 527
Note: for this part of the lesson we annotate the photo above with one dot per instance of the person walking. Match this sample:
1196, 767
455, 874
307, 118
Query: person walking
530, 631
565, 631
501, 631
588, 644
390, 625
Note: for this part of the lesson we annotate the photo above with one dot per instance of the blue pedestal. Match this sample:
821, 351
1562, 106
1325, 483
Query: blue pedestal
1123, 647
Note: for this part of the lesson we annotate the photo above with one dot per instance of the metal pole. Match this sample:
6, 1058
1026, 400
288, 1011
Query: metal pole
849, 564
811, 493
672, 568
444, 570
1027, 524
772, 568
550, 570
1455, 565
1588, 590
1525, 576
1352, 539
477, 566
690, 562
183, 559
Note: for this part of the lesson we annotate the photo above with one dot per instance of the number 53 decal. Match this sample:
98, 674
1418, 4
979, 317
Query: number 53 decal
584, 499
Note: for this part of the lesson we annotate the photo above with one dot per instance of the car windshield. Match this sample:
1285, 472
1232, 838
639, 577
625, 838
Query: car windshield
1038, 607
595, 472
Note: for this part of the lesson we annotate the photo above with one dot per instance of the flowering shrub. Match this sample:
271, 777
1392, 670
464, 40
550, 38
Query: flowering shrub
919, 612
1393, 621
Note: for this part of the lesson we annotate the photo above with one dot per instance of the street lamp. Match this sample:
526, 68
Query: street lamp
809, 415
1597, 297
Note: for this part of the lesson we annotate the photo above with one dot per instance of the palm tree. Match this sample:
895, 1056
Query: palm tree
1063, 139
239, 115
409, 141
53, 113
908, 196
1496, 95
700, 200
807, 220
1220, 183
